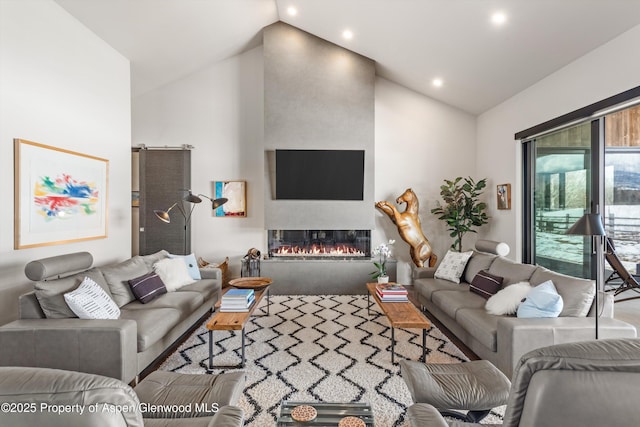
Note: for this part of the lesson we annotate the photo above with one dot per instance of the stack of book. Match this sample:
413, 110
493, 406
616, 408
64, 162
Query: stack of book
237, 300
391, 292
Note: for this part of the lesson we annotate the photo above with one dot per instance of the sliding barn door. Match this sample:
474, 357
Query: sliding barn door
164, 177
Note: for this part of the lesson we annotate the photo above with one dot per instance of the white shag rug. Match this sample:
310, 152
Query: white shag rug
317, 348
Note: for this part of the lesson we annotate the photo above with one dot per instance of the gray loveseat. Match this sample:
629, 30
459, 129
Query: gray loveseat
504, 339
120, 348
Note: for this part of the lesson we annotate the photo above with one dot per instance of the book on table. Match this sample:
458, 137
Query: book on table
391, 288
237, 300
392, 298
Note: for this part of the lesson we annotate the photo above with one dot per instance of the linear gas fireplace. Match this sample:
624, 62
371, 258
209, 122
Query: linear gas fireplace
319, 244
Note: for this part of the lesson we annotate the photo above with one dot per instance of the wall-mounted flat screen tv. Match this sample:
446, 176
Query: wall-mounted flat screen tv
319, 174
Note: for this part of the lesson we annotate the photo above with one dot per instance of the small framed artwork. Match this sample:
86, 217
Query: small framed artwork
135, 199
236, 194
504, 196
60, 195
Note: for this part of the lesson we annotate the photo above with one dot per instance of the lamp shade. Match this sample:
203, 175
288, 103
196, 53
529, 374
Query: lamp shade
590, 224
215, 204
162, 215
192, 198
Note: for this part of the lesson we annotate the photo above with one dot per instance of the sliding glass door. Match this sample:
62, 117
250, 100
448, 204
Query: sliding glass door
562, 193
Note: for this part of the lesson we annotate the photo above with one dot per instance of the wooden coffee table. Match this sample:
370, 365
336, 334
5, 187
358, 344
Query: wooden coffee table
402, 315
232, 321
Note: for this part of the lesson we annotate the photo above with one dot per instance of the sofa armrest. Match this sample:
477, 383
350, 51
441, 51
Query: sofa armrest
211, 273
516, 337
228, 416
422, 272
103, 347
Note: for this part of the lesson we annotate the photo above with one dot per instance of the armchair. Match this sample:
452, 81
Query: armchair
591, 383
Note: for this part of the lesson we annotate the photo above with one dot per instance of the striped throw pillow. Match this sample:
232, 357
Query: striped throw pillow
486, 284
147, 287
90, 301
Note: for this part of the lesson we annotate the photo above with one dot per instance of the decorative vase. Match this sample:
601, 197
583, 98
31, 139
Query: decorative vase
383, 279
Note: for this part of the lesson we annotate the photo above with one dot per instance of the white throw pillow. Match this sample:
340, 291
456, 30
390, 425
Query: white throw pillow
507, 300
173, 272
452, 266
90, 301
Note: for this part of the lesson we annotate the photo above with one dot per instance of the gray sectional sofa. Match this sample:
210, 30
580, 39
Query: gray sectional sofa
120, 348
504, 339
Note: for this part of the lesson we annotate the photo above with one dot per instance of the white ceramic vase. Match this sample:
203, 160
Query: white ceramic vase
383, 279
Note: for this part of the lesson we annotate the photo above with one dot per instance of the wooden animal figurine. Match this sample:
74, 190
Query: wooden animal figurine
408, 223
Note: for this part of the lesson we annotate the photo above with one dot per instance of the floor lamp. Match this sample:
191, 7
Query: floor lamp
590, 224
193, 200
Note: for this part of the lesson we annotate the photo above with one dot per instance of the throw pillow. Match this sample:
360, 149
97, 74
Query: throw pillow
507, 300
118, 276
542, 301
173, 272
147, 287
151, 259
90, 301
452, 266
191, 263
486, 284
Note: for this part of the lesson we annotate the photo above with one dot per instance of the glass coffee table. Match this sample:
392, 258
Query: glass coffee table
329, 414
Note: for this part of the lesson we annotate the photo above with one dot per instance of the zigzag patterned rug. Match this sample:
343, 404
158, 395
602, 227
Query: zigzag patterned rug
317, 348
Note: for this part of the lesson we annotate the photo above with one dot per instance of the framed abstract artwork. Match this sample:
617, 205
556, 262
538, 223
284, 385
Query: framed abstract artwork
60, 195
236, 193
504, 196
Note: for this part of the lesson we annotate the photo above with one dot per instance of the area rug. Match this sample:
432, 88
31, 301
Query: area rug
317, 348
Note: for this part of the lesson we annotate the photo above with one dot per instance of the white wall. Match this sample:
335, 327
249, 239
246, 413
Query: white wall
420, 142
606, 71
218, 110
62, 86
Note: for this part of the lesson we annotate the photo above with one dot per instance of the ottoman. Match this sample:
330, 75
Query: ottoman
174, 395
476, 386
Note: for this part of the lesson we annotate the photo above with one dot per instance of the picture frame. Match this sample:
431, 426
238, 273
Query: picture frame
503, 193
236, 194
61, 196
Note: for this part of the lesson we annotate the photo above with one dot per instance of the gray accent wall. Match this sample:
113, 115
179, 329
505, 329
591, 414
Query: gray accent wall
317, 96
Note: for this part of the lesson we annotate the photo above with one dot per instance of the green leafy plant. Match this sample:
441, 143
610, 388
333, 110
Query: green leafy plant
462, 209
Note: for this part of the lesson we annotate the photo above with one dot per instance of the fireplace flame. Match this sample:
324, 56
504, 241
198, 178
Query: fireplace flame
318, 250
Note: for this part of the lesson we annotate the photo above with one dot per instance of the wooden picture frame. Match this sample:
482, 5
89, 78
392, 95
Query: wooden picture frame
60, 195
503, 193
236, 193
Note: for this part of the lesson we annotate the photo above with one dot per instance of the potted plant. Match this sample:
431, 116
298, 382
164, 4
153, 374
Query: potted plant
462, 209
382, 251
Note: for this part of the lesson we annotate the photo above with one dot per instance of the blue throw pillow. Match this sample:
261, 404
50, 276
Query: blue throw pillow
192, 265
541, 301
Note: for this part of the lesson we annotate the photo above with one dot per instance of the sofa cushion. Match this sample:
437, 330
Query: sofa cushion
118, 276
152, 325
452, 266
89, 301
50, 293
577, 294
513, 272
452, 301
174, 273
147, 287
426, 287
543, 301
507, 300
485, 284
206, 287
151, 259
184, 302
480, 324
479, 261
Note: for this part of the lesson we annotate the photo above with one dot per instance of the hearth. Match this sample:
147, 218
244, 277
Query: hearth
319, 244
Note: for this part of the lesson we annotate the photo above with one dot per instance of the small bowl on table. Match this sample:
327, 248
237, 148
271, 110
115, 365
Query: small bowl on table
255, 283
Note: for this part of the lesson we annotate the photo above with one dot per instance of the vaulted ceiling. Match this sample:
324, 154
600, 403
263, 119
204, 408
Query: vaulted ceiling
413, 42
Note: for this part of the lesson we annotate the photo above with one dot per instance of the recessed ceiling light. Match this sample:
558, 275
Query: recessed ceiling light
499, 18
437, 82
292, 11
347, 34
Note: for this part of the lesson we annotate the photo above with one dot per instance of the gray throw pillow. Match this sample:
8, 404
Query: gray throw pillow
577, 294
151, 259
118, 276
50, 293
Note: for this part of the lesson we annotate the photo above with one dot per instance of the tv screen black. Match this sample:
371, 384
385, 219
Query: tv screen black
320, 174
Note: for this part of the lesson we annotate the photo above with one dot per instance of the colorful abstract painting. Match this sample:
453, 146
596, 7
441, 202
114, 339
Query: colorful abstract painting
236, 194
61, 195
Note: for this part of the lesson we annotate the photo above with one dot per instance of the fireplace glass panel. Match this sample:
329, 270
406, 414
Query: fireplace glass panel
311, 244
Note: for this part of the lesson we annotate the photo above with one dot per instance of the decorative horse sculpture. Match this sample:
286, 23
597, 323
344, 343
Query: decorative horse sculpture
408, 223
